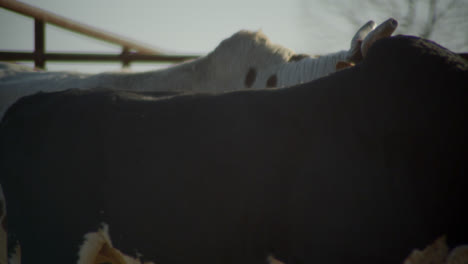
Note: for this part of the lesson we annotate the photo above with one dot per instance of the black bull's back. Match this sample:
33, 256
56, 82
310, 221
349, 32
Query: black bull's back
363, 165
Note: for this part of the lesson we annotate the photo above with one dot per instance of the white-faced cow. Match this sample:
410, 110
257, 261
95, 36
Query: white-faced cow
360, 166
245, 60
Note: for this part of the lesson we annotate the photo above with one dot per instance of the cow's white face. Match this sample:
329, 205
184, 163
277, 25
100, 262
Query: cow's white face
250, 60
239, 60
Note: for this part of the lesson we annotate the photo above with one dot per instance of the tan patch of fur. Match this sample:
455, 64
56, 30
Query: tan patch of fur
98, 249
343, 65
272, 260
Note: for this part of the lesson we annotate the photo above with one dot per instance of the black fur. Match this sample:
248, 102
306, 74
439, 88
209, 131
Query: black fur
361, 166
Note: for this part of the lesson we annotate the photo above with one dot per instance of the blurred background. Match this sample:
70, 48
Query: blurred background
197, 27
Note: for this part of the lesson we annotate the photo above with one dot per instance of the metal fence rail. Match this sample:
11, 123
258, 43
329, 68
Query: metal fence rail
131, 50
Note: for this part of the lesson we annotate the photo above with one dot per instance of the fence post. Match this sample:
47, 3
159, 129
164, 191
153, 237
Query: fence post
125, 60
39, 43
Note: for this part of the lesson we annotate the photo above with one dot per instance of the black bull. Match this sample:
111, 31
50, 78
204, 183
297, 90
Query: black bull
358, 167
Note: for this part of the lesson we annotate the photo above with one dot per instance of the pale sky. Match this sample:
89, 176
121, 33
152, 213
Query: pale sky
176, 26
183, 26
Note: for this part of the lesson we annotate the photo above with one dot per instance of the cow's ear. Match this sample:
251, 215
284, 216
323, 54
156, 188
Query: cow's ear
343, 65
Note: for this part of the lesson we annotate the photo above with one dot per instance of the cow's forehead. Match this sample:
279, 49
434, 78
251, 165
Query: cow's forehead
243, 44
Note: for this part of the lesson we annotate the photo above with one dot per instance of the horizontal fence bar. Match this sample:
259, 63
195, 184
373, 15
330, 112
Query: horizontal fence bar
84, 57
130, 57
75, 26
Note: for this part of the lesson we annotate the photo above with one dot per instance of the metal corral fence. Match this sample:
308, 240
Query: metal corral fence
131, 50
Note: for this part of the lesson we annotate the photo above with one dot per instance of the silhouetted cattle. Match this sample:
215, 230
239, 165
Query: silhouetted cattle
245, 60
358, 167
